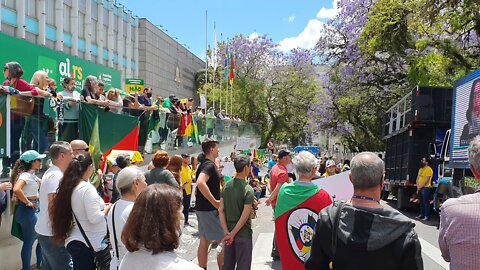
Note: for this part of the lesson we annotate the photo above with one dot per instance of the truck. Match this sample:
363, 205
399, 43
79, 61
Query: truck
416, 122
454, 175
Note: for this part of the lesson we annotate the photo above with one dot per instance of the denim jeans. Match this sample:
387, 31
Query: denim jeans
54, 256
425, 202
82, 256
186, 205
27, 217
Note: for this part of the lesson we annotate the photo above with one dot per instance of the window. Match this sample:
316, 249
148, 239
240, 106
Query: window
105, 16
94, 10
82, 5
115, 23
9, 3
50, 10
124, 28
30, 8
94, 31
66, 19
81, 25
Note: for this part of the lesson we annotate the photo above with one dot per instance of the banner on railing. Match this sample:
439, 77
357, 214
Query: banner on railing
115, 131
4, 125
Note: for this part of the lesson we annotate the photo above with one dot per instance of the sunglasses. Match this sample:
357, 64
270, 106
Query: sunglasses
86, 149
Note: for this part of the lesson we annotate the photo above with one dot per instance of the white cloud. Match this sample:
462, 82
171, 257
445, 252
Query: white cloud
329, 13
312, 32
253, 35
306, 40
291, 18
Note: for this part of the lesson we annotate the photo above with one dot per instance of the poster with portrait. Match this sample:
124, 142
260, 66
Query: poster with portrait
466, 116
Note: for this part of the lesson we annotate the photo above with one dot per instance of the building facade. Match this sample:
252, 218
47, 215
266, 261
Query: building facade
108, 34
167, 66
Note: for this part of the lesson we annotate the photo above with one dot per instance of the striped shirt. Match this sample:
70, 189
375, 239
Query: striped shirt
459, 236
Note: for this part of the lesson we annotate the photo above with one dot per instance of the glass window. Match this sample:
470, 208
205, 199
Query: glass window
105, 34
81, 25
124, 28
94, 10
94, 31
105, 16
66, 19
115, 23
50, 8
82, 5
30, 7
9, 3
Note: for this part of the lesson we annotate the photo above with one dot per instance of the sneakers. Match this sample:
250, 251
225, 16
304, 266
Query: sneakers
420, 217
425, 218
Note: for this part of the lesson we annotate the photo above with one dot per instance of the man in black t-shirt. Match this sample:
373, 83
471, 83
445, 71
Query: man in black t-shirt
207, 203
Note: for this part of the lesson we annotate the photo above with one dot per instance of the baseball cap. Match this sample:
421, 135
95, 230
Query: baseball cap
185, 155
31, 155
283, 153
330, 163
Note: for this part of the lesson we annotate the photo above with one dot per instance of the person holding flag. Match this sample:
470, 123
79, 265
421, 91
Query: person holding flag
296, 212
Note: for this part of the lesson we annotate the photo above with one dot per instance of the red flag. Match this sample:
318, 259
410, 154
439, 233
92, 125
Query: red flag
232, 69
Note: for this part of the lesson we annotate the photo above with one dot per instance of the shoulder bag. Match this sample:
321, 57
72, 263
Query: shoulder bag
103, 257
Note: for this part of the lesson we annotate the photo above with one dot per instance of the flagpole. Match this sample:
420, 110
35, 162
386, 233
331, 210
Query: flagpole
206, 63
220, 92
214, 53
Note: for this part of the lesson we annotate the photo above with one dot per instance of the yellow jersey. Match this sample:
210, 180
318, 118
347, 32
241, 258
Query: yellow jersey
422, 175
186, 174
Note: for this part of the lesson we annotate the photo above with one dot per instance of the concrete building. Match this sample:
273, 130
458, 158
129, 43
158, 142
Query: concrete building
108, 34
166, 65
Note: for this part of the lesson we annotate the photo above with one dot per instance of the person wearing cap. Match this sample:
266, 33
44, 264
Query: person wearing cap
278, 177
54, 255
25, 187
130, 182
187, 176
331, 168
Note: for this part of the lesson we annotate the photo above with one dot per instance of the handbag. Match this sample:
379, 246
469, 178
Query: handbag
103, 257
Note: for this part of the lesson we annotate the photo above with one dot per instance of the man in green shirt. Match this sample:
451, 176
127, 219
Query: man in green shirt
235, 207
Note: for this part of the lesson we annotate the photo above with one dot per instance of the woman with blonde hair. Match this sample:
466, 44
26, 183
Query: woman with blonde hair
115, 102
36, 125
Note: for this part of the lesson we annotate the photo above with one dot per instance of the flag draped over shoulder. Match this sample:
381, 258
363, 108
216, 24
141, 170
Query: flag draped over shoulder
296, 214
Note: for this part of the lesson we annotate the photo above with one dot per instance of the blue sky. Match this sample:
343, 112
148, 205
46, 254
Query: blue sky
291, 23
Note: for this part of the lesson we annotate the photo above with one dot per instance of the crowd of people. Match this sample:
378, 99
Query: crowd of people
79, 224
32, 127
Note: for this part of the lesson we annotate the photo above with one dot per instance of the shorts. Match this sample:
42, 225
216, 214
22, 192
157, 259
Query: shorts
209, 225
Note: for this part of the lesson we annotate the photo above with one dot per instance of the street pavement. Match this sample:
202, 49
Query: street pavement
263, 230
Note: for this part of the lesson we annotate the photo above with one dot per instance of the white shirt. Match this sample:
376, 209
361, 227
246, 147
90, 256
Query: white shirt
50, 182
144, 260
122, 210
30, 189
88, 208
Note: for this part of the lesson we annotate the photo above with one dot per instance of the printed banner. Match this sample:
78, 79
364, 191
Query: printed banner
4, 125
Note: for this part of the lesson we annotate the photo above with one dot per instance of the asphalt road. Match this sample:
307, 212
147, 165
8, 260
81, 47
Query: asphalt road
263, 230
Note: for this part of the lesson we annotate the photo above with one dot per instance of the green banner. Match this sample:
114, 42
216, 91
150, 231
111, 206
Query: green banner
4, 125
134, 85
58, 65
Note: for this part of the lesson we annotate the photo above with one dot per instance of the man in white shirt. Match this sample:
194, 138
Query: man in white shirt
55, 256
130, 183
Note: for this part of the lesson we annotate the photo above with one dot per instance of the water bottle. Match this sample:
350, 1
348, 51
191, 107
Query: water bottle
103, 245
